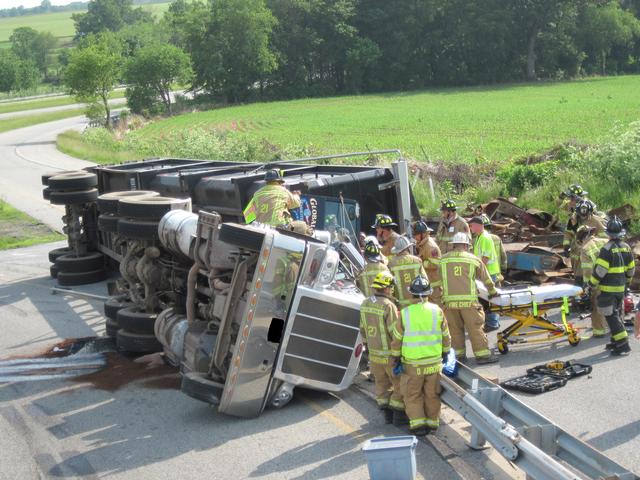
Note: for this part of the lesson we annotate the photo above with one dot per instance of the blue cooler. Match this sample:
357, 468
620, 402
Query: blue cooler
391, 458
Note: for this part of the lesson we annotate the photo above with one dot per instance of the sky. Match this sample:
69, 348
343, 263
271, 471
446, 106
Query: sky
29, 3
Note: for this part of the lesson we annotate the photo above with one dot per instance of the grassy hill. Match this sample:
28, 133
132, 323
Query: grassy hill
495, 123
59, 24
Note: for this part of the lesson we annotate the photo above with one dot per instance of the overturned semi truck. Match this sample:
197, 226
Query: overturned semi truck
247, 312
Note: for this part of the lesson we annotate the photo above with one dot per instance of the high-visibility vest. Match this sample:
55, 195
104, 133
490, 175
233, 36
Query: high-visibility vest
422, 337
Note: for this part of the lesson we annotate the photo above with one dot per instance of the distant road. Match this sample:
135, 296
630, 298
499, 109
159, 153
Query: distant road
116, 102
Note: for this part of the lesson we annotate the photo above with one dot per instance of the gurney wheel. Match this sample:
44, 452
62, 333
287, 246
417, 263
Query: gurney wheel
503, 347
574, 339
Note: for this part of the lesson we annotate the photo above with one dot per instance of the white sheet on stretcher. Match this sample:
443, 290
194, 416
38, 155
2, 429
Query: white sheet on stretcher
521, 296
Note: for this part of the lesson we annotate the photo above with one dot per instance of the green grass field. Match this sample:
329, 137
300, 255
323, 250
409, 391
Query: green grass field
18, 229
461, 125
59, 24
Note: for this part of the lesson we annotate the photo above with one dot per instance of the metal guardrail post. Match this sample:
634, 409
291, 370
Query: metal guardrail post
490, 398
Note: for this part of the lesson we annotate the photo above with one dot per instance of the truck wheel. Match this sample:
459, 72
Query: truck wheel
58, 252
72, 264
53, 271
113, 305
137, 343
69, 279
46, 193
73, 198
108, 223
140, 229
198, 386
108, 202
151, 208
73, 181
111, 327
246, 238
46, 176
135, 321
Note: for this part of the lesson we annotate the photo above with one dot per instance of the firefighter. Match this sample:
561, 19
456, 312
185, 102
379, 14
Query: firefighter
450, 224
429, 253
571, 196
497, 243
374, 265
378, 314
612, 273
404, 267
421, 338
459, 269
271, 204
485, 250
584, 214
590, 247
385, 234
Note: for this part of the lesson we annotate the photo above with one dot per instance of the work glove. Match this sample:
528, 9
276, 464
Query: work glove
398, 368
493, 294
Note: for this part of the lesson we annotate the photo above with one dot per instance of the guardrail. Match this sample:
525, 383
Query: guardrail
543, 450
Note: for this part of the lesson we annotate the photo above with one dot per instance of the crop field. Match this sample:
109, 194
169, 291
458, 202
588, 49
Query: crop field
59, 24
494, 123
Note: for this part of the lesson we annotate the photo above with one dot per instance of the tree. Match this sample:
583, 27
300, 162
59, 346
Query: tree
8, 63
32, 46
605, 27
95, 70
158, 68
235, 53
109, 15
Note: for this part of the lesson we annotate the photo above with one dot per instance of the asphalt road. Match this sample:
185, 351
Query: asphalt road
26, 154
148, 429
117, 102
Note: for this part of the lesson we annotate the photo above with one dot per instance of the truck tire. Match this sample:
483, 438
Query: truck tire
73, 181
137, 343
46, 176
198, 386
133, 320
113, 305
53, 271
108, 223
138, 229
58, 252
86, 263
46, 193
246, 238
69, 279
73, 198
151, 208
108, 202
111, 328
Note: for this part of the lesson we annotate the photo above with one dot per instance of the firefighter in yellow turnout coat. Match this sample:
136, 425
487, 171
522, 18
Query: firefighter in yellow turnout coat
459, 270
271, 203
377, 316
421, 336
374, 265
405, 267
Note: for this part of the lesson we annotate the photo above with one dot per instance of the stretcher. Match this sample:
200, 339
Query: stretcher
529, 306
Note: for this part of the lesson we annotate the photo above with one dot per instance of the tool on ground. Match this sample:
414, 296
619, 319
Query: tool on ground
547, 376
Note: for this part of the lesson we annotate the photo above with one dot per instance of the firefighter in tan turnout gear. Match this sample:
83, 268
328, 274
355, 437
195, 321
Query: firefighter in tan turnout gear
584, 214
459, 270
405, 267
421, 337
590, 246
374, 265
377, 316
385, 234
450, 224
271, 204
429, 253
